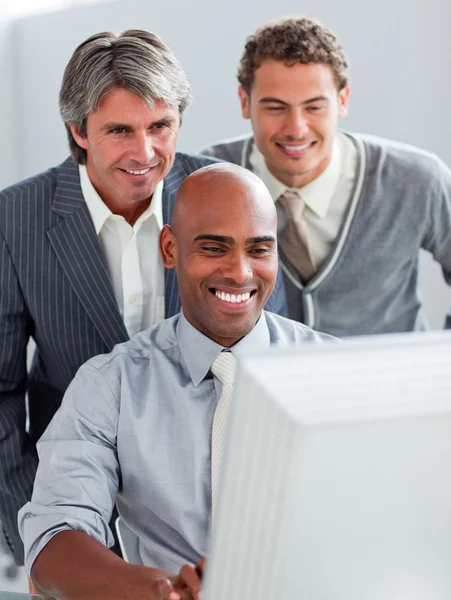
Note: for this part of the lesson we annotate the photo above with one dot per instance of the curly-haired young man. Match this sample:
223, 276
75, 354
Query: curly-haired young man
354, 210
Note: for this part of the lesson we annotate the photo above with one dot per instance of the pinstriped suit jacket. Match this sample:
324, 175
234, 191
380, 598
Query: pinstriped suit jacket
54, 287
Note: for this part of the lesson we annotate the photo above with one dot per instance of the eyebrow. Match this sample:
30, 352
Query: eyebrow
261, 239
118, 125
225, 239
270, 99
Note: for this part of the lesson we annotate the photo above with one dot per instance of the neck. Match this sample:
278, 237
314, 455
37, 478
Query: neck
298, 180
131, 213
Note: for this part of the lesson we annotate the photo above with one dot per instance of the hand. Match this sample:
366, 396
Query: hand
185, 586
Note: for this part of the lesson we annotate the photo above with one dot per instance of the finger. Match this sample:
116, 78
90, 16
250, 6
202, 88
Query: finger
200, 567
166, 591
191, 579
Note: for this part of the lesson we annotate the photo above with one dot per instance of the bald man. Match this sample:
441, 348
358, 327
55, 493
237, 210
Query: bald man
135, 426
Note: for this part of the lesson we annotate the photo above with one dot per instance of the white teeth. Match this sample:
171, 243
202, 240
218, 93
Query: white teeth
232, 298
296, 148
142, 172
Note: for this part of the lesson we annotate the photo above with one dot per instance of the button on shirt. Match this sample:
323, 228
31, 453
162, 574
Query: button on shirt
137, 423
326, 197
132, 257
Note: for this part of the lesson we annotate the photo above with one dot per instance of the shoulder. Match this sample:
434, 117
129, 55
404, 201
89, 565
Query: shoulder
397, 158
38, 186
184, 165
142, 348
188, 163
29, 184
286, 332
230, 149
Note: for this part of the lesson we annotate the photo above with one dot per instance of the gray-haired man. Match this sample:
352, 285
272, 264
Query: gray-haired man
79, 264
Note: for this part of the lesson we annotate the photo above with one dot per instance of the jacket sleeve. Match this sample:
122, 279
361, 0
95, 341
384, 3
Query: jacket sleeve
18, 458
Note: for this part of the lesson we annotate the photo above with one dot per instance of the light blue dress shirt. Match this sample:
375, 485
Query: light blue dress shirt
135, 427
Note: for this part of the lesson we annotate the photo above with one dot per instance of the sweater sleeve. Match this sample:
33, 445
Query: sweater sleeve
437, 238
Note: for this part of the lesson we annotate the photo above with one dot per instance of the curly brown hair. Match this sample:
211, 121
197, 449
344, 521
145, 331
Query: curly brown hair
293, 40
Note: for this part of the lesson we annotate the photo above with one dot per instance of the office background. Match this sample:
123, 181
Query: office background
400, 55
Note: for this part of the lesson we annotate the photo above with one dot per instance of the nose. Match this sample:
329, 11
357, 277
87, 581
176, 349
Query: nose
142, 150
238, 268
296, 125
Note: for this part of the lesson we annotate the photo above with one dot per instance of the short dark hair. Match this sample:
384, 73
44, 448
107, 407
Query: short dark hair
293, 40
135, 60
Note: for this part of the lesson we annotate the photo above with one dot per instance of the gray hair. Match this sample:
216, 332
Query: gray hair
134, 60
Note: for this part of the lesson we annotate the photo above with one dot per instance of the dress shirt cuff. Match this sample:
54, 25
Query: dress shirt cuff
38, 524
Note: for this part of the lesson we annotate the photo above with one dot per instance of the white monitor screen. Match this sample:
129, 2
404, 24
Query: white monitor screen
337, 477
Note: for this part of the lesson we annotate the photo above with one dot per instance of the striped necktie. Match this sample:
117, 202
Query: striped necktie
224, 369
293, 239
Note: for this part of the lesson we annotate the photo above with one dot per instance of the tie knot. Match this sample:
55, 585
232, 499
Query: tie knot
292, 202
223, 368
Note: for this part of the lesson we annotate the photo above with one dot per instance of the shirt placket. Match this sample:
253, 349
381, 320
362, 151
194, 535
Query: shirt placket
132, 287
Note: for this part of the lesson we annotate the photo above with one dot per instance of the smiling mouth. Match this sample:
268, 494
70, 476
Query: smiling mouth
296, 148
138, 172
232, 298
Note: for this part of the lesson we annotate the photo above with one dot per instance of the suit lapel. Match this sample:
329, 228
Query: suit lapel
77, 249
172, 182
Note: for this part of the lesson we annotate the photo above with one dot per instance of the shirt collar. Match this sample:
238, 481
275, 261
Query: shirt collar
317, 194
199, 362
100, 212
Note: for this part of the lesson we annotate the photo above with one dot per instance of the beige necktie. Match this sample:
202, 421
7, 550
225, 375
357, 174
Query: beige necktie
293, 238
224, 369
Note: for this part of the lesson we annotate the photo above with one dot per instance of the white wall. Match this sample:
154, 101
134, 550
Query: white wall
9, 157
400, 55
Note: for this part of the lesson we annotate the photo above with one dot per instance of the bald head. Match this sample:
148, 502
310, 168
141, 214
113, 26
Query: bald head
219, 188
222, 243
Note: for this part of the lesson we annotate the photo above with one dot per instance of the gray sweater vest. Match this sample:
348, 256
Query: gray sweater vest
401, 202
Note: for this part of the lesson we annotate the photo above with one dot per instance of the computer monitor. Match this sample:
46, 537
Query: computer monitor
337, 478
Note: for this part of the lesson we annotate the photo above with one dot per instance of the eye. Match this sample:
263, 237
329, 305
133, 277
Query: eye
159, 125
275, 108
315, 108
260, 251
213, 249
118, 130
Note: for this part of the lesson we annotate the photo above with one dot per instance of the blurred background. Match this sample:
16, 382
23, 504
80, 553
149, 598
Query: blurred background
400, 55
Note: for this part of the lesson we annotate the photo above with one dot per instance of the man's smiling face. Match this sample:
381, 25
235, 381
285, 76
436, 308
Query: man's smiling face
294, 112
130, 148
223, 246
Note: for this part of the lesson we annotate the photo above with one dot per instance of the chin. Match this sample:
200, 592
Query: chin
144, 194
237, 331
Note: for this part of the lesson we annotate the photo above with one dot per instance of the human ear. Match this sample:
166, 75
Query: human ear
168, 247
343, 98
80, 139
244, 101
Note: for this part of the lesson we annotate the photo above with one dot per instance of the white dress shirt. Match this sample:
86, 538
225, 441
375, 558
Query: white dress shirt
326, 197
132, 256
